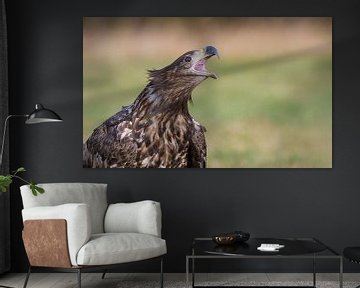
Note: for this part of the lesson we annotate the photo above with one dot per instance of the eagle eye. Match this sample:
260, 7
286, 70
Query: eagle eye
187, 59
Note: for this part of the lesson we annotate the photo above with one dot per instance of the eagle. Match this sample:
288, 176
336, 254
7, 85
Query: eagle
156, 130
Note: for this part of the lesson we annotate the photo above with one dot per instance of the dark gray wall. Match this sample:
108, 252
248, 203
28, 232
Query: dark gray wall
45, 50
4, 197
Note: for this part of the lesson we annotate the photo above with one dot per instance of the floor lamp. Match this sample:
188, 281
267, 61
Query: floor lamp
39, 115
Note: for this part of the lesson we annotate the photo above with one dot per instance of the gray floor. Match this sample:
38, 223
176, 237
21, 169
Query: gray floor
119, 280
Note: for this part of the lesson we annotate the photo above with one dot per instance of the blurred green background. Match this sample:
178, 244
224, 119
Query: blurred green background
271, 106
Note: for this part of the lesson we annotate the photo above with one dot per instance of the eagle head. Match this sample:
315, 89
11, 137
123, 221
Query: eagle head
187, 71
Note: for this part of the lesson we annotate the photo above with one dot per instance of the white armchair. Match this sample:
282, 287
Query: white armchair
72, 228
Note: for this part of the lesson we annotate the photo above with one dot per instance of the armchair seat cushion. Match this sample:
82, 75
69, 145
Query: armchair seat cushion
113, 248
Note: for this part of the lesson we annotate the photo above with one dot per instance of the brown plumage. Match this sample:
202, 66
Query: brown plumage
157, 130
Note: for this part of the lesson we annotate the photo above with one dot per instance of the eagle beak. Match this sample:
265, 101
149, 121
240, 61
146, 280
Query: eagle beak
210, 51
200, 58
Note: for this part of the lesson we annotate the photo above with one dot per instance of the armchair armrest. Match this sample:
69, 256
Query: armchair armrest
77, 219
138, 217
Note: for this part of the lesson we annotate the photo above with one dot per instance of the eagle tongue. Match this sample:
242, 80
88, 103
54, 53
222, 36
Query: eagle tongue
200, 65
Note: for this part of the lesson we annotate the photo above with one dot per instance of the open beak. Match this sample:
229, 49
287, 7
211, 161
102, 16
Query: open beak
205, 54
211, 51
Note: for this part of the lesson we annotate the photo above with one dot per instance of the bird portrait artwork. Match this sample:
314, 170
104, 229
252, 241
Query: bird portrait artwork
156, 130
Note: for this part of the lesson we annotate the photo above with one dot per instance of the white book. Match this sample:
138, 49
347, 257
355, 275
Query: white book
270, 247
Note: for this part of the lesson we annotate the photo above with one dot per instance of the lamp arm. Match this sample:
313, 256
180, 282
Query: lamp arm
4, 134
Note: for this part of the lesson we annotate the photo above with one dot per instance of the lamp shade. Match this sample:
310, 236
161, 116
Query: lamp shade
42, 115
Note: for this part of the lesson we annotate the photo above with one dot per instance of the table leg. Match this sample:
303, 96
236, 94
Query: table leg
193, 272
193, 267
314, 271
341, 273
187, 272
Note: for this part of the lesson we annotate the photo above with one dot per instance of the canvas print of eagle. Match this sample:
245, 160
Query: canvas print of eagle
156, 130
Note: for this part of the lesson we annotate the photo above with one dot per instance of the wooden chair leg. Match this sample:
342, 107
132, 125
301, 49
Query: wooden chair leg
79, 277
27, 277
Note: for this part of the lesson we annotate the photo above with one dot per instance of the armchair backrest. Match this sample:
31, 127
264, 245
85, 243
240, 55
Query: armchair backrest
92, 194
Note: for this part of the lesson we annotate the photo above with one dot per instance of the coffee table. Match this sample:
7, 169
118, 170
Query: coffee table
295, 248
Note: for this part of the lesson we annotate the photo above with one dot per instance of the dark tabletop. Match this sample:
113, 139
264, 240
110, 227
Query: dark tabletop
292, 247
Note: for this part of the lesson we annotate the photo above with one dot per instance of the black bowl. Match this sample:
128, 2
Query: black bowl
241, 236
231, 238
224, 239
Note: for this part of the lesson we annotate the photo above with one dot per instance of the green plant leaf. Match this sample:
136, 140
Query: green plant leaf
36, 189
33, 189
39, 189
5, 182
20, 169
